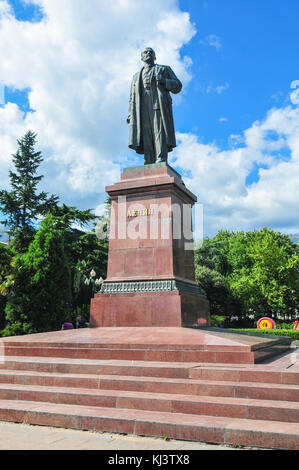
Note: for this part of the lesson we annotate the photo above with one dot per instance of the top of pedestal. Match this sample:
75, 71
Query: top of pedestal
145, 171
148, 177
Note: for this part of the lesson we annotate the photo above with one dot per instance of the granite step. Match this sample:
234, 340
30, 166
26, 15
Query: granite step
167, 344
196, 405
254, 390
210, 429
192, 370
138, 353
266, 374
99, 367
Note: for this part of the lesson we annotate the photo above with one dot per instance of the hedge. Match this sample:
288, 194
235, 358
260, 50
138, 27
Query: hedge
294, 334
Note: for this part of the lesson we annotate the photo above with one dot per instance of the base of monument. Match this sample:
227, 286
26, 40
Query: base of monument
186, 383
170, 344
149, 309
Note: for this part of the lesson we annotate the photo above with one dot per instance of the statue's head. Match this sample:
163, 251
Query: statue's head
148, 55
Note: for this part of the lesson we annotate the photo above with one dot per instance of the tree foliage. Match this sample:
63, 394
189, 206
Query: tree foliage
41, 297
258, 269
44, 273
217, 290
5, 269
23, 205
267, 281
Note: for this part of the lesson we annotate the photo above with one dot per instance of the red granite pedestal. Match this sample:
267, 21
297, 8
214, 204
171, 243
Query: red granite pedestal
150, 279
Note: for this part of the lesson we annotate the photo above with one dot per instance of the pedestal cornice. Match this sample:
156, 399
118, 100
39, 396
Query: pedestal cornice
150, 178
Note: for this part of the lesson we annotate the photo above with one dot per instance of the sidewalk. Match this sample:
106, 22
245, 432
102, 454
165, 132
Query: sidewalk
25, 437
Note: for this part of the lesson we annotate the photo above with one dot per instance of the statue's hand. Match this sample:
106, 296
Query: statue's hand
161, 81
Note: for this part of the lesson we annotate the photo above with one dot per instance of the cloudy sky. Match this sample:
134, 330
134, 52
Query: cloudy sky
65, 73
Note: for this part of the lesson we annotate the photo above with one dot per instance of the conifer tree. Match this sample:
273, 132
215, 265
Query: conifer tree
23, 205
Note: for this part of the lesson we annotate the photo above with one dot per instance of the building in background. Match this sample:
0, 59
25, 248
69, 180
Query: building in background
4, 237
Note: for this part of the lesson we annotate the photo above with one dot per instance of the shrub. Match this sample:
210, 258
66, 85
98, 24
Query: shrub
217, 320
293, 334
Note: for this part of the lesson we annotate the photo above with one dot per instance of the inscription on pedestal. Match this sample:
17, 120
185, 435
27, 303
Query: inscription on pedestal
141, 212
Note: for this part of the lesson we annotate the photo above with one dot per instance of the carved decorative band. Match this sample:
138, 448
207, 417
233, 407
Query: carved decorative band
186, 287
148, 286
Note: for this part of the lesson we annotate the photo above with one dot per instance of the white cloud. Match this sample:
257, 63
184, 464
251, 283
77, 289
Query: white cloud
236, 139
12, 126
213, 41
78, 63
295, 94
219, 89
219, 177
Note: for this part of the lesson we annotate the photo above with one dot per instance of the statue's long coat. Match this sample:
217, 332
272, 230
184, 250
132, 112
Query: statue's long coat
161, 100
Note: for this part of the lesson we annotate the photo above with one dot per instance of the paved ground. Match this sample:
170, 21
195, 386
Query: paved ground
25, 437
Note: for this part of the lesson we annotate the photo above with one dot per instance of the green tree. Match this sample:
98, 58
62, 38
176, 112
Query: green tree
265, 278
211, 269
253, 273
72, 221
213, 253
41, 299
85, 253
23, 205
88, 255
81, 252
5, 268
217, 290
94, 253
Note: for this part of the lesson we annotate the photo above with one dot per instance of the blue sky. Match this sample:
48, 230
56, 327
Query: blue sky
257, 56
255, 53
26, 11
67, 69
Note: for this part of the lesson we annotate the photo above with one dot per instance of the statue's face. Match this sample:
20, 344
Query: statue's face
148, 56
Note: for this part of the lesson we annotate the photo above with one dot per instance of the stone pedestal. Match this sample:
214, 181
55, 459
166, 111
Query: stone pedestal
150, 279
